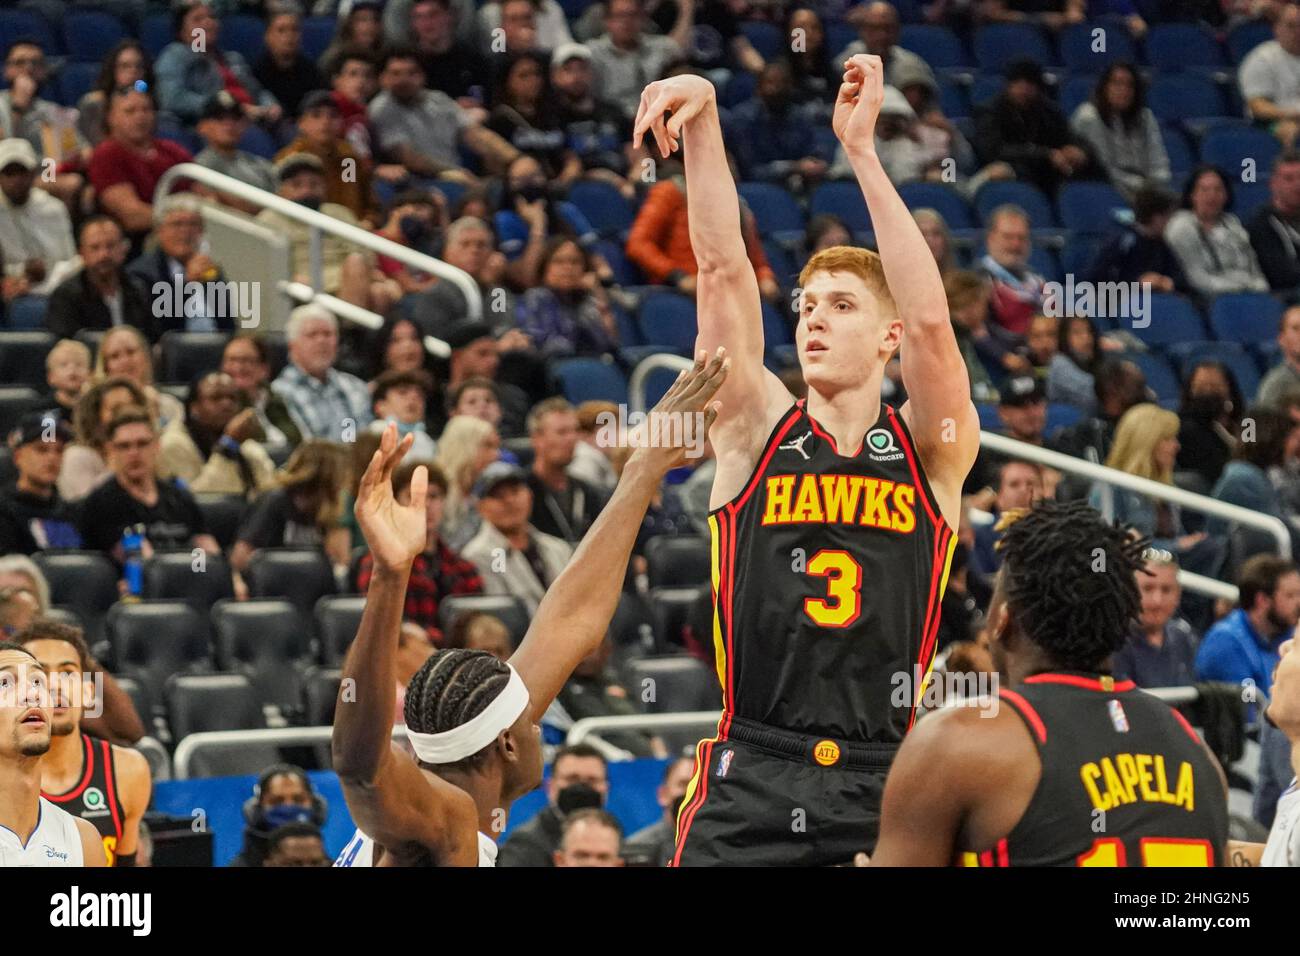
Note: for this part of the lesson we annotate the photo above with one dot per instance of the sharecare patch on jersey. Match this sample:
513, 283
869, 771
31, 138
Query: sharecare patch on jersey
1117, 716
840, 499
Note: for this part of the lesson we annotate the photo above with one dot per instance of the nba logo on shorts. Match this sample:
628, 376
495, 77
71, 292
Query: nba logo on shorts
724, 762
1117, 716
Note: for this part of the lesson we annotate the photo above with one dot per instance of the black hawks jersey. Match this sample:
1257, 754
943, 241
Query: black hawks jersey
1125, 781
828, 571
95, 798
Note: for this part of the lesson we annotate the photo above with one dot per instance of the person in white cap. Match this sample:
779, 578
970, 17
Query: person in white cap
471, 719
36, 242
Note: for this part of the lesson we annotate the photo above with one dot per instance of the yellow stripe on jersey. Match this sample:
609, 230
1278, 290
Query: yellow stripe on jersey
943, 586
970, 859
719, 646
690, 787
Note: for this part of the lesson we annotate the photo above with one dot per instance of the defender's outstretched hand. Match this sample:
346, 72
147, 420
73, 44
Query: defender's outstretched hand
857, 107
685, 413
395, 533
682, 96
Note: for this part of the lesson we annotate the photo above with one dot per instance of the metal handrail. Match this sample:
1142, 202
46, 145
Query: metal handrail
1153, 489
593, 726
319, 223
186, 749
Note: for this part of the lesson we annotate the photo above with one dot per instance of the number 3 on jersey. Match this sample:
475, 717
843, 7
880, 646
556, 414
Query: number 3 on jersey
843, 601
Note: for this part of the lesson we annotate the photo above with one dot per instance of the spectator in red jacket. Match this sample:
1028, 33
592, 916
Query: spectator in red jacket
660, 241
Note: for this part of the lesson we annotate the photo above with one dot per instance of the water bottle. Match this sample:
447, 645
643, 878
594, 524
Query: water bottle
133, 549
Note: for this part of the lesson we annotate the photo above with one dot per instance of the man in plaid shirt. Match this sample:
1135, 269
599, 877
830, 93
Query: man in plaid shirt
439, 571
321, 399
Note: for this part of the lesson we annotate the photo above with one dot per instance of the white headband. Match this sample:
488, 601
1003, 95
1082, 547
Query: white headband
477, 732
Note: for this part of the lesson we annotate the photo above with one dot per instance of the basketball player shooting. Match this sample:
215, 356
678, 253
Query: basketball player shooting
472, 720
33, 831
833, 519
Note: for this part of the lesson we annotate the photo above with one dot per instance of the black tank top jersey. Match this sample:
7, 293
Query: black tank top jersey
1125, 781
95, 799
828, 572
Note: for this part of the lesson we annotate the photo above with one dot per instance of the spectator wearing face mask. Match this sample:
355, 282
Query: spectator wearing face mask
283, 795
579, 780
1210, 413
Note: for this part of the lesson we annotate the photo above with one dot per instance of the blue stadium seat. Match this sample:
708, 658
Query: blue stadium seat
625, 270
1231, 354
75, 80
938, 46
1061, 415
739, 88
943, 199
985, 88
989, 420
1159, 375
590, 379
668, 319
1078, 255
90, 34
1248, 197
27, 25
603, 205
1181, 157
1174, 47
843, 200
1245, 317
1246, 36
839, 35
317, 32
629, 336
1025, 195
952, 99
781, 261
763, 37
909, 11
156, 33
26, 312
1089, 207
1074, 91
777, 330
656, 384
1172, 319
1228, 146
1176, 97
258, 142
775, 210
1077, 43
244, 34
451, 191
999, 44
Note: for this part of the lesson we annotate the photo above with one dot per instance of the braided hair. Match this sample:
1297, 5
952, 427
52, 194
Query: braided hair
452, 687
1069, 581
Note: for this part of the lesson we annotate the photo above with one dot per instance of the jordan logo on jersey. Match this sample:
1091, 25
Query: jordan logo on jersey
840, 499
797, 445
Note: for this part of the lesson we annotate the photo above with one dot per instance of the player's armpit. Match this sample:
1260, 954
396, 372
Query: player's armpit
403, 806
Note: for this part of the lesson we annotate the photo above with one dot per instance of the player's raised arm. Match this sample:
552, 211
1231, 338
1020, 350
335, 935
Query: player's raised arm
728, 306
391, 800
939, 411
574, 616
